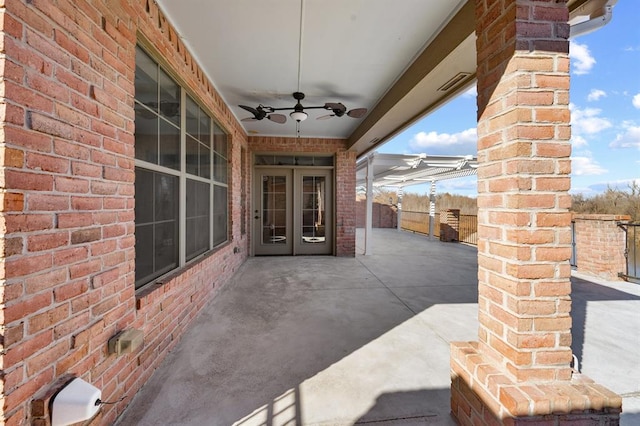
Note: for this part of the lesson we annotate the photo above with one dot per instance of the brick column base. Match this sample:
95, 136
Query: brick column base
481, 394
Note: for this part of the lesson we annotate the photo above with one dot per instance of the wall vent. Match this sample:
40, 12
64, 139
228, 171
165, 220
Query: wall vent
454, 81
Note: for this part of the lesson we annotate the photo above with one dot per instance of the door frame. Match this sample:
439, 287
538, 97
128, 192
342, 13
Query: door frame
257, 171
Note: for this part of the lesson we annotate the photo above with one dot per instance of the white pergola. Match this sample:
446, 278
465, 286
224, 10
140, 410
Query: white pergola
377, 170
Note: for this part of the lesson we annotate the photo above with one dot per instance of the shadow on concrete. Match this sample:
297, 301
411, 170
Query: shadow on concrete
582, 293
318, 339
325, 340
412, 405
606, 338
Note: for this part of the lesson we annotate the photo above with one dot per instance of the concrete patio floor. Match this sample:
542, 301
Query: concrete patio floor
364, 340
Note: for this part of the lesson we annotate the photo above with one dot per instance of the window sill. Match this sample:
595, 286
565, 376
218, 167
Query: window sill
153, 291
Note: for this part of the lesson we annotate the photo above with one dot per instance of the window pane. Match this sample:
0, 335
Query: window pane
169, 98
205, 162
156, 216
169, 145
203, 205
146, 135
220, 214
165, 197
323, 161
304, 161
198, 218
166, 247
146, 79
144, 253
219, 168
205, 129
219, 141
192, 111
144, 197
192, 156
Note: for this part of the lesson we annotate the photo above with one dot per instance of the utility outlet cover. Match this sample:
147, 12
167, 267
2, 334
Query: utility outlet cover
126, 341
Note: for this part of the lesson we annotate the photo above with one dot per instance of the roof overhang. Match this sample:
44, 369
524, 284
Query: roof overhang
399, 59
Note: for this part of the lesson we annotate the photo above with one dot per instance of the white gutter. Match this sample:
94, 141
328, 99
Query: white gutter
602, 17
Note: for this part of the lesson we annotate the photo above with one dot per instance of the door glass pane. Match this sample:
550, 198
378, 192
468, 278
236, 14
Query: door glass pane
313, 209
274, 209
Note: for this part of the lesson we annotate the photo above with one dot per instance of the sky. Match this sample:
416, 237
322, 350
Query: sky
605, 114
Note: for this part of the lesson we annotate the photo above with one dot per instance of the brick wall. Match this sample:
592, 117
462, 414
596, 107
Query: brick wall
67, 158
345, 179
600, 244
519, 370
383, 215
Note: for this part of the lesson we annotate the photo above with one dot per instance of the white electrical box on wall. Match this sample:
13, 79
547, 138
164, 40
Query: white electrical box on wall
76, 402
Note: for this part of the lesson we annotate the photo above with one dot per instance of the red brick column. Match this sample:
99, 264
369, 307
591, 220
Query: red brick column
450, 225
519, 371
600, 244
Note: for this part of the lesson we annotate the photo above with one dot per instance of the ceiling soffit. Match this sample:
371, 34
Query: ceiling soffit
363, 53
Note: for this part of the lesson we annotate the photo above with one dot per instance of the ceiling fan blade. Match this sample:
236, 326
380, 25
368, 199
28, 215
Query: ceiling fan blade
325, 117
357, 112
250, 109
336, 106
249, 119
277, 118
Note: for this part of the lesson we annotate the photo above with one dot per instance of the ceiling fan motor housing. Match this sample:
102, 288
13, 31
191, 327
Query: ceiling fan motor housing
299, 114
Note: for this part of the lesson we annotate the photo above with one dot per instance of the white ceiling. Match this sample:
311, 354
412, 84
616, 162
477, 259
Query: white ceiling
389, 56
351, 52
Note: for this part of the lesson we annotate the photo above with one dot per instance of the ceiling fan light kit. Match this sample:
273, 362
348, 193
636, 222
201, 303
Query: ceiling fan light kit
298, 114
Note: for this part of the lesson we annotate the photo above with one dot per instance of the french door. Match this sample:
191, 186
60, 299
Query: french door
292, 211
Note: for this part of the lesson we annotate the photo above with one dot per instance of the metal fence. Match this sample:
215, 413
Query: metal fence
573, 261
469, 229
419, 222
632, 251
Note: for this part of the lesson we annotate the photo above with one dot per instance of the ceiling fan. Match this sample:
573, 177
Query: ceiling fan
298, 114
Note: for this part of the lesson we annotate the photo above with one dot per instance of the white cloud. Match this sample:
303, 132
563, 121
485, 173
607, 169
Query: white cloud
596, 94
620, 185
586, 166
636, 101
469, 183
629, 139
434, 143
471, 92
581, 58
587, 121
578, 141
